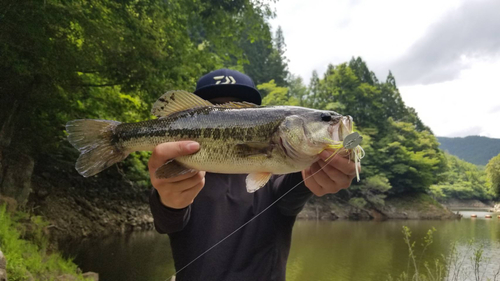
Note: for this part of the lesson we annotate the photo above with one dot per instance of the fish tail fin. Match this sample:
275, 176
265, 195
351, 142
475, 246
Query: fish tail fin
95, 141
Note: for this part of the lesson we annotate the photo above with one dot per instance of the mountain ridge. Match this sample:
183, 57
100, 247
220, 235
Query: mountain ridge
474, 149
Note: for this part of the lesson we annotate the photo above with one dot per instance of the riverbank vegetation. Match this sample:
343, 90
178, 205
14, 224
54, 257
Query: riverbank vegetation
493, 173
463, 180
461, 263
27, 250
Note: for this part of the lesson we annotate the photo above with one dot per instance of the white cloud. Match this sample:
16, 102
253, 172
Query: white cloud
321, 32
465, 106
383, 32
468, 31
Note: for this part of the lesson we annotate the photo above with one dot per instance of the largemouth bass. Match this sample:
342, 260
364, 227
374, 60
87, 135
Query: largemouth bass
235, 138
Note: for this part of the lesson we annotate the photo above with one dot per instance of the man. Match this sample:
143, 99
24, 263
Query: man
199, 209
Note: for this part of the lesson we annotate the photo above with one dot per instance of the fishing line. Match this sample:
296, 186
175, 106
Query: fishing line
257, 215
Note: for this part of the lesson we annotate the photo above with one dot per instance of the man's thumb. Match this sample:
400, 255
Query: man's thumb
166, 151
191, 147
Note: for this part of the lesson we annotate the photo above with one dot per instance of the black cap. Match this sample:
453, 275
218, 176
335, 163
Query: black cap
227, 83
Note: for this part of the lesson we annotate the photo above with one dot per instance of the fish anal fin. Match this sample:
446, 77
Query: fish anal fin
172, 169
255, 181
177, 101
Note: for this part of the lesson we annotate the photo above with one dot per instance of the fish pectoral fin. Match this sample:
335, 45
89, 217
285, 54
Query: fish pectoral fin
177, 101
255, 181
254, 149
172, 169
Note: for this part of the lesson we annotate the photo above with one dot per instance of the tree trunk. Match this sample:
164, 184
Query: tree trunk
16, 167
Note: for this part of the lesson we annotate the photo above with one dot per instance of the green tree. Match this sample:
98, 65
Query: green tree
362, 72
265, 57
313, 98
276, 95
278, 62
399, 147
297, 89
493, 172
110, 59
410, 159
462, 180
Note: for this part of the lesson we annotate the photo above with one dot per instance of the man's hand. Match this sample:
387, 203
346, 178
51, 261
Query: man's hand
335, 174
178, 192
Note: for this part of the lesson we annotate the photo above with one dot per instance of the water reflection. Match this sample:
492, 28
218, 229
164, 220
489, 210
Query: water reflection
373, 250
341, 250
139, 256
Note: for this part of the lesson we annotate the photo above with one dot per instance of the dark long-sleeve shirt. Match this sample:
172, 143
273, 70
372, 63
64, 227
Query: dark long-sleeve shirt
259, 251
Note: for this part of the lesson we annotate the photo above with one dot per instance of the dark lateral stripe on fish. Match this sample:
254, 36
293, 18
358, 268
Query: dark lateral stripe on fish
160, 128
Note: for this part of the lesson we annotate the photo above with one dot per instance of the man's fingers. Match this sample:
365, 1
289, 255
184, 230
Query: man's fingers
334, 174
341, 180
179, 200
166, 151
311, 183
191, 193
321, 177
192, 175
342, 164
188, 183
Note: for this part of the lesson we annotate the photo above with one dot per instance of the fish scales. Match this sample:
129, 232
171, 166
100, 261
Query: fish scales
236, 137
219, 131
218, 125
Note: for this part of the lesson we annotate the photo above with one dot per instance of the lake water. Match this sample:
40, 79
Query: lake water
321, 250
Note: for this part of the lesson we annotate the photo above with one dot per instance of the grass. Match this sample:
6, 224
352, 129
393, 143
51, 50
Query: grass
26, 248
466, 264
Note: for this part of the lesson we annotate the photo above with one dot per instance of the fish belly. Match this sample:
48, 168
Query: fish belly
226, 159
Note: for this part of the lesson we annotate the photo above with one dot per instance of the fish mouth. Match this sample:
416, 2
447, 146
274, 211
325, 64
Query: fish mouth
343, 129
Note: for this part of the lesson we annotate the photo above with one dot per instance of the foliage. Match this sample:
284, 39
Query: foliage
296, 89
276, 95
474, 149
493, 171
358, 202
136, 168
266, 57
31, 256
62, 60
410, 158
449, 267
372, 189
462, 180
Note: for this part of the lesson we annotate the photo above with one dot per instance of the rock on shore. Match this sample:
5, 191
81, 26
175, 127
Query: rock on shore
3, 267
412, 206
79, 207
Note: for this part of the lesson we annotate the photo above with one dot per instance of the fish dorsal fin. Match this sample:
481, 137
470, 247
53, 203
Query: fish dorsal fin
176, 101
233, 104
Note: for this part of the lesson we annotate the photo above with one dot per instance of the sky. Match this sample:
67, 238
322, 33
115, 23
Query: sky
445, 55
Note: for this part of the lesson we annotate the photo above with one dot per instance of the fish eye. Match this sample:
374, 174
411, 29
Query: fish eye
326, 117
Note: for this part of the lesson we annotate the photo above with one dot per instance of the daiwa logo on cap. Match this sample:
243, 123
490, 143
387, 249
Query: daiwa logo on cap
229, 80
